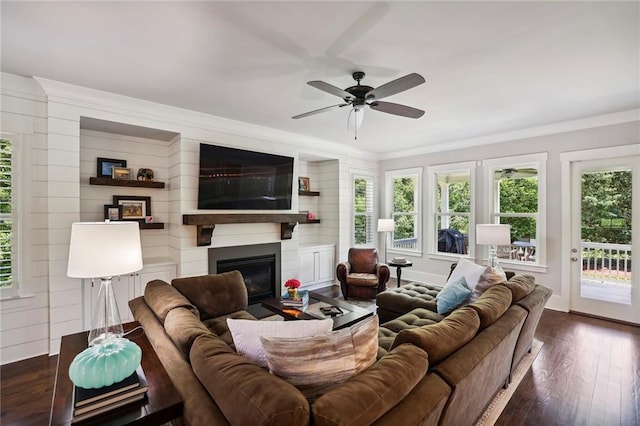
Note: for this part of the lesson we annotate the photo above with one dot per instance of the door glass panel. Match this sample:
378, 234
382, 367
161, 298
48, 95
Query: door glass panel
606, 236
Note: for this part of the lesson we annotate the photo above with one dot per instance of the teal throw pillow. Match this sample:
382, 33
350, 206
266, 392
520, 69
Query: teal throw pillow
452, 295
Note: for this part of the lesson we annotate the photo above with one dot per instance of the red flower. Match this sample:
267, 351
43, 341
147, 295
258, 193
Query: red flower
292, 283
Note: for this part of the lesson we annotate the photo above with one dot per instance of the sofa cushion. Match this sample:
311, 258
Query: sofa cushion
489, 277
183, 327
492, 304
453, 294
316, 364
442, 339
214, 295
246, 334
362, 279
376, 390
245, 393
218, 325
388, 331
162, 298
469, 270
521, 285
409, 297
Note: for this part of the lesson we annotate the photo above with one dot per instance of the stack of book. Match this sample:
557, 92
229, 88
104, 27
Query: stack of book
299, 302
88, 403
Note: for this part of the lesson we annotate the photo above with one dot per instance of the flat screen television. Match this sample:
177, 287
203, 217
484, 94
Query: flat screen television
235, 179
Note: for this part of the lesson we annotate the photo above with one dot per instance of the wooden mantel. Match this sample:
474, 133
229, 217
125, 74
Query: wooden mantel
206, 223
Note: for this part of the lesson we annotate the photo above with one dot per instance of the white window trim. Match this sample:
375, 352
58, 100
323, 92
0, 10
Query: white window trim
432, 172
372, 214
389, 177
539, 161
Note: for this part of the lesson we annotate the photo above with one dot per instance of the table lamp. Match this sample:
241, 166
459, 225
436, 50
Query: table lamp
493, 235
386, 225
104, 250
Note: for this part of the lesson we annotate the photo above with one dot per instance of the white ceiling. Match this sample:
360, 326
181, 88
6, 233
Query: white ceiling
491, 67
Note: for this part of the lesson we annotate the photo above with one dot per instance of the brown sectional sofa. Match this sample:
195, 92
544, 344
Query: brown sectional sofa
419, 378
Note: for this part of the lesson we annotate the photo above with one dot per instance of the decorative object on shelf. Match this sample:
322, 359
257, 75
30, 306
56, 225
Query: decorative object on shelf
145, 175
386, 226
133, 207
112, 212
292, 286
148, 219
303, 184
121, 173
493, 235
310, 216
104, 250
106, 165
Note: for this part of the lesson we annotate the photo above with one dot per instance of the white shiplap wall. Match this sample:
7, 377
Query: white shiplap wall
64, 160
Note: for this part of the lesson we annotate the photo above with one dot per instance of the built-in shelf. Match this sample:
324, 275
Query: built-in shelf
154, 225
309, 193
122, 182
312, 221
206, 223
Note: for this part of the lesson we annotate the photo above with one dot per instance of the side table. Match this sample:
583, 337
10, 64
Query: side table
399, 267
163, 403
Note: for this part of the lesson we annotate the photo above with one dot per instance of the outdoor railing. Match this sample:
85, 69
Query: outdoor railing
606, 262
405, 243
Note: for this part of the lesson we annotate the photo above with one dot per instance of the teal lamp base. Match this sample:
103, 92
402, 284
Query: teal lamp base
105, 364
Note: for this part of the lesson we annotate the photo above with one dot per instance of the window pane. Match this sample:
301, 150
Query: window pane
6, 235
523, 239
518, 195
360, 224
360, 195
522, 228
404, 235
403, 194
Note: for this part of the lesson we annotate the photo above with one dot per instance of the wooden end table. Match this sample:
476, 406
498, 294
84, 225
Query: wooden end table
399, 267
163, 403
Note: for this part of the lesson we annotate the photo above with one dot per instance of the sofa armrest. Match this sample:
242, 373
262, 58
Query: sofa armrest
342, 270
383, 273
369, 395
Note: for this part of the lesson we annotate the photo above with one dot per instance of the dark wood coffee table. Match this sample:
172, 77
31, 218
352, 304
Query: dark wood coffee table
162, 404
350, 314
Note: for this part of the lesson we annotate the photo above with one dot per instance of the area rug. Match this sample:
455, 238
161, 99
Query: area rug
500, 401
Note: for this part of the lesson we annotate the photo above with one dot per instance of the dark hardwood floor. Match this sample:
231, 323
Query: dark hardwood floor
587, 373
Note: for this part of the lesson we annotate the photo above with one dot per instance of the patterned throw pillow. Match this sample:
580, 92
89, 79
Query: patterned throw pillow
246, 334
489, 277
316, 364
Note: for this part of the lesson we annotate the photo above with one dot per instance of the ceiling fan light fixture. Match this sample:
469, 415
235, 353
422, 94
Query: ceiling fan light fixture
356, 116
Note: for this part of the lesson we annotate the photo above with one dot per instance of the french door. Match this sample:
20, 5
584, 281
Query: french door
605, 197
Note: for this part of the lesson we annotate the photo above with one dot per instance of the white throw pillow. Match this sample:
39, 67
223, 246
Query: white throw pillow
469, 270
246, 334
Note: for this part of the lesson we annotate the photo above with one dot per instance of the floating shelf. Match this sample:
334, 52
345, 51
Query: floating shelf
154, 225
312, 221
122, 182
309, 193
206, 223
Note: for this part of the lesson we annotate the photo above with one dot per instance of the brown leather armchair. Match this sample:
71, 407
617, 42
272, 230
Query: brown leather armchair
362, 276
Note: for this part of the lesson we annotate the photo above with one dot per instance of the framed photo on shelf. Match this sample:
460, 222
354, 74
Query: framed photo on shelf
112, 212
106, 165
121, 173
303, 184
133, 207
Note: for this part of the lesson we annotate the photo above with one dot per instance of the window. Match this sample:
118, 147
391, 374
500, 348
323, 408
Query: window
452, 193
516, 187
363, 229
404, 190
8, 222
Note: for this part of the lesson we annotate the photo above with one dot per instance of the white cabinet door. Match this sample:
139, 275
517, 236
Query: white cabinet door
307, 268
162, 272
325, 264
316, 264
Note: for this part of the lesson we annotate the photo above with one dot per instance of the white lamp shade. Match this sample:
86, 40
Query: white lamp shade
104, 249
386, 225
493, 234
356, 115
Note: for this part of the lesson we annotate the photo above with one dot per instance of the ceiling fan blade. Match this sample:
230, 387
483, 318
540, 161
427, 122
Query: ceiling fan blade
397, 109
329, 88
396, 86
317, 111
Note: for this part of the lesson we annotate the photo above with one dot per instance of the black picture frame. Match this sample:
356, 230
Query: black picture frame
134, 207
105, 166
109, 210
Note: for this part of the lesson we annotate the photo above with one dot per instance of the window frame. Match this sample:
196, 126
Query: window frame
16, 222
390, 176
535, 160
370, 179
432, 232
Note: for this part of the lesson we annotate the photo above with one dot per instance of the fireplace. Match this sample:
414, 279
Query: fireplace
259, 265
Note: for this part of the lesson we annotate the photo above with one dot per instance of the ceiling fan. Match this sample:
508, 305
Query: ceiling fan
509, 173
360, 95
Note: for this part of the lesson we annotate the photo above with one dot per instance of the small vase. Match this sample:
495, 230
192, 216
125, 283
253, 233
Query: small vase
293, 292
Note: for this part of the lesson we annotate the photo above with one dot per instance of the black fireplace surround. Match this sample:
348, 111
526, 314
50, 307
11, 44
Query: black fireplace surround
259, 265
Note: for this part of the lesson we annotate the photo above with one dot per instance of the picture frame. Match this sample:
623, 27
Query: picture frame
106, 165
303, 184
121, 173
112, 212
133, 207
